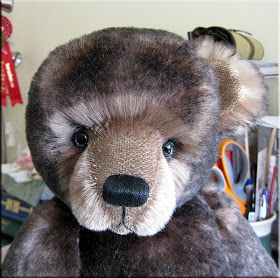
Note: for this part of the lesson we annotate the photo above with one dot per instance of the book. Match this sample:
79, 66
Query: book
14, 208
10, 227
260, 180
272, 191
267, 69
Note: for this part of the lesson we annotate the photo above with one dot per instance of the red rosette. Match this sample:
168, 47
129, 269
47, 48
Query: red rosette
6, 26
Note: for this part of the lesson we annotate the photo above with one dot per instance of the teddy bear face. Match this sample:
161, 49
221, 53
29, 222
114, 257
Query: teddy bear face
122, 125
122, 181
123, 139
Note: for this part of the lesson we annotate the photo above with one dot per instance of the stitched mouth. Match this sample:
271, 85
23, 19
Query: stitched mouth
122, 222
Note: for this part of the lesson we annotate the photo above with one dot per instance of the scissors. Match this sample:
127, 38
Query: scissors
225, 174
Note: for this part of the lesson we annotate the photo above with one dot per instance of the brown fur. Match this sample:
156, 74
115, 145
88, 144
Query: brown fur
40, 253
132, 90
212, 246
132, 149
242, 91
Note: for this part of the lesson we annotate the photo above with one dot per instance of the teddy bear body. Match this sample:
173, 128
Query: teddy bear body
124, 125
199, 241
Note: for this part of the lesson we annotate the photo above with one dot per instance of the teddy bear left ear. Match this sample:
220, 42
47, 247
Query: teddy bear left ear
241, 87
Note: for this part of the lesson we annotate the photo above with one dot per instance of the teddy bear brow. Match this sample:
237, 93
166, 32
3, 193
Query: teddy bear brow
97, 111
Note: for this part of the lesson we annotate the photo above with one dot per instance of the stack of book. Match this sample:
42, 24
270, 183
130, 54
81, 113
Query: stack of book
14, 211
18, 200
267, 69
266, 179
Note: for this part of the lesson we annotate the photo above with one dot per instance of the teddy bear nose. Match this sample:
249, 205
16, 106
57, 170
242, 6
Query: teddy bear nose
125, 190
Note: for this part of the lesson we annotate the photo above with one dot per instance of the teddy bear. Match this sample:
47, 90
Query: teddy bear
124, 125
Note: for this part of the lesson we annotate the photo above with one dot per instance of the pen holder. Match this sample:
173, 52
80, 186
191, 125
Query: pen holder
263, 230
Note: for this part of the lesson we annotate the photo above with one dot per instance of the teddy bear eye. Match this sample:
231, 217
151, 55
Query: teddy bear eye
168, 148
80, 139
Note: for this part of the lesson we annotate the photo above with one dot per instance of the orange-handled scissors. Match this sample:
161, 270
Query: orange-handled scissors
224, 172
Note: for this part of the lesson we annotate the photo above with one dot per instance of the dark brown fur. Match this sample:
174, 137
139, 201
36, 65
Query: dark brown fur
154, 65
46, 245
120, 81
195, 243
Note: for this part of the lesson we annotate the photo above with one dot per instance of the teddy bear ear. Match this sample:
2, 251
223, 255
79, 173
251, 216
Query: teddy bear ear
241, 87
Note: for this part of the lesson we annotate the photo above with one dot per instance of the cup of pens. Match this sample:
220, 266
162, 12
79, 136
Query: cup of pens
264, 197
261, 204
252, 186
263, 230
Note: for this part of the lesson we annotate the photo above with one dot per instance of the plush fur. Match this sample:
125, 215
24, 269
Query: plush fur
132, 90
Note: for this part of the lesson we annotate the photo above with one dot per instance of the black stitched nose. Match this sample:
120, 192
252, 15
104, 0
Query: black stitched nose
125, 191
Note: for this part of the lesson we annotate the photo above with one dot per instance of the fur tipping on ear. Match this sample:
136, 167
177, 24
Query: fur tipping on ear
241, 87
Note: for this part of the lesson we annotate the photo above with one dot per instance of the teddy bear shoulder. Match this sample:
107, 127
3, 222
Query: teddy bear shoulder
48, 241
241, 244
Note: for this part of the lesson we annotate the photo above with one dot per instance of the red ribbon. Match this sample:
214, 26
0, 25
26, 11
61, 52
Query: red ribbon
3, 85
9, 77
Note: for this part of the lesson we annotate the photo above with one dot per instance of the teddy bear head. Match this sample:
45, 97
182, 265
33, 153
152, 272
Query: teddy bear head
123, 124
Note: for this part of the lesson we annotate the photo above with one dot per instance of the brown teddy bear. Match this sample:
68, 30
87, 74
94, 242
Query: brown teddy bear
124, 125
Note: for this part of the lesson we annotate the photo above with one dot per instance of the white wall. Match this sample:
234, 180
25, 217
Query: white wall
39, 26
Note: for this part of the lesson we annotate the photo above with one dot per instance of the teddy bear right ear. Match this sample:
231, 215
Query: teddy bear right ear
241, 87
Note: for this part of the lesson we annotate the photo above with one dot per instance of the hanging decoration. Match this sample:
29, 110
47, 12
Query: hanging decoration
9, 81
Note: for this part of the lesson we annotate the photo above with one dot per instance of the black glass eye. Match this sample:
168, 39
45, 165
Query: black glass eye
168, 148
80, 139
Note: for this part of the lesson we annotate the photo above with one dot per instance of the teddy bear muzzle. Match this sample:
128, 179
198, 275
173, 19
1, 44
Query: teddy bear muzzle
125, 191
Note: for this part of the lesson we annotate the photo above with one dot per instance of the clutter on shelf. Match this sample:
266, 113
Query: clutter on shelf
243, 42
22, 191
254, 186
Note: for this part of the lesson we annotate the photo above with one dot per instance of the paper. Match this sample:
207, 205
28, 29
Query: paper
260, 183
18, 175
270, 121
10, 135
